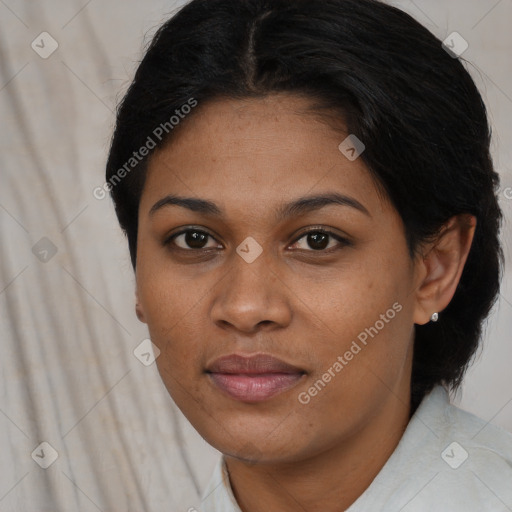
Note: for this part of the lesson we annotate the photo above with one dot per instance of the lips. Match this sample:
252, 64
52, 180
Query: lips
253, 378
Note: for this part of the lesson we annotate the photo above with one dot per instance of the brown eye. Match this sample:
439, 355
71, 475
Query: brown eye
320, 240
191, 239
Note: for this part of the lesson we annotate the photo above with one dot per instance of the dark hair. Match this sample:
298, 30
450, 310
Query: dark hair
414, 106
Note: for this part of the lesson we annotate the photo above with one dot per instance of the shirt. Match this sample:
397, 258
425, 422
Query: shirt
447, 460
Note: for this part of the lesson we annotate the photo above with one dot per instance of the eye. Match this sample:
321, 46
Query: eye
191, 239
321, 240
318, 240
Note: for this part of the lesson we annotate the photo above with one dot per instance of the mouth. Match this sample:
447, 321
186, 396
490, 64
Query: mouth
253, 378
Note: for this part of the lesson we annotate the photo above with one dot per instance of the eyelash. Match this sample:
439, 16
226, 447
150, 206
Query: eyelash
343, 242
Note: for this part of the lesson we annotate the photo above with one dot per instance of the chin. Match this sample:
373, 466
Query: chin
254, 441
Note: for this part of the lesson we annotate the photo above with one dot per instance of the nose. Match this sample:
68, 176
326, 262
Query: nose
251, 297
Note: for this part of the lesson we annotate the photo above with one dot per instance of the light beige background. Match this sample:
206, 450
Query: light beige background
68, 329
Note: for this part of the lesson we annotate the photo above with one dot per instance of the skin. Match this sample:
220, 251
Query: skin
300, 304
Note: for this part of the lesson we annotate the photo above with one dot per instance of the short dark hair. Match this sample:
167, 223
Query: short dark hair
414, 105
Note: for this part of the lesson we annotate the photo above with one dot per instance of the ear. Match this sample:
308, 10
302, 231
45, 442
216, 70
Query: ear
440, 266
138, 308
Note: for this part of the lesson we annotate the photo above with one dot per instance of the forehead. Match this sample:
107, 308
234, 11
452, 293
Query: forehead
257, 153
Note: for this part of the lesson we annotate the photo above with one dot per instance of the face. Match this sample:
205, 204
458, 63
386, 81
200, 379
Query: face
275, 281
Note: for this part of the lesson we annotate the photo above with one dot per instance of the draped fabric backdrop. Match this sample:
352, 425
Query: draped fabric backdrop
112, 438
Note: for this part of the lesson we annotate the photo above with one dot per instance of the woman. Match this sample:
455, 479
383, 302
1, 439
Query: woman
310, 207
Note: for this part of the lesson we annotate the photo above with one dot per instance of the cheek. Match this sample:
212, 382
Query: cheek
171, 310
365, 315
361, 359
353, 298
164, 295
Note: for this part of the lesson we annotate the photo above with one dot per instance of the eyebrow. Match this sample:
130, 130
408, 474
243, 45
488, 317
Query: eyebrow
298, 207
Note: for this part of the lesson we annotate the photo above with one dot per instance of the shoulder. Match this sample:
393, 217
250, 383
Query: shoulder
478, 456
447, 459
466, 436
218, 496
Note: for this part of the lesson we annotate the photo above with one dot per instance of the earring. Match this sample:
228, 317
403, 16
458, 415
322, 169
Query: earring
434, 317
